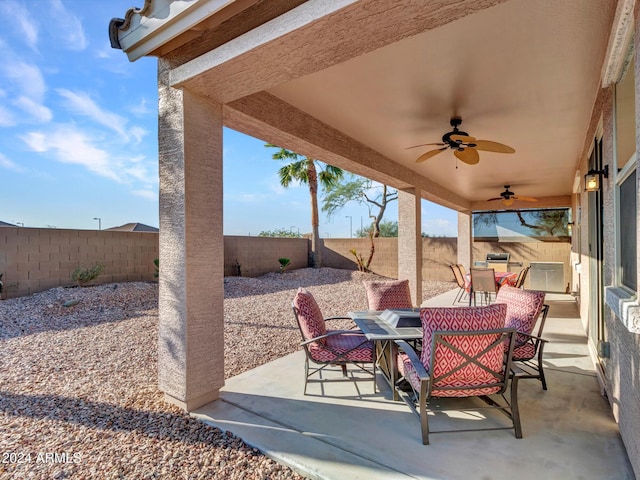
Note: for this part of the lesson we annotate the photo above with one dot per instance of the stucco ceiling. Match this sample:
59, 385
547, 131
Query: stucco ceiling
524, 73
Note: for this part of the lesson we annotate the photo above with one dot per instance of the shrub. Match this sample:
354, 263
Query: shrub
156, 262
82, 275
284, 263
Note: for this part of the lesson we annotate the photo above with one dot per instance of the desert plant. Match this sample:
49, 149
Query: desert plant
363, 265
156, 262
284, 263
237, 270
1, 274
83, 275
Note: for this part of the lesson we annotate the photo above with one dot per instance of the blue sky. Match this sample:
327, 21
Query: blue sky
78, 135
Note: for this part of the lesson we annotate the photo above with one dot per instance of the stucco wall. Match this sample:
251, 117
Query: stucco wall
36, 259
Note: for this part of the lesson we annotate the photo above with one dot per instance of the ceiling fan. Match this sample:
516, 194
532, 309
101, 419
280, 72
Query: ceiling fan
464, 147
508, 197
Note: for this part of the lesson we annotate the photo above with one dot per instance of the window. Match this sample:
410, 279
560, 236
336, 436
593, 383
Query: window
627, 232
626, 180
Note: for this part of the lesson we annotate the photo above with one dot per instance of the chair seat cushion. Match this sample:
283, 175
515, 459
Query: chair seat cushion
383, 295
524, 352
406, 369
352, 347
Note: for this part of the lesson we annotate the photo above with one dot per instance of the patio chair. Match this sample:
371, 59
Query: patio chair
483, 281
524, 308
522, 276
463, 356
462, 285
383, 295
328, 347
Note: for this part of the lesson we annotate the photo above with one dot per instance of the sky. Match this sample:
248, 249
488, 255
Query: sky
79, 138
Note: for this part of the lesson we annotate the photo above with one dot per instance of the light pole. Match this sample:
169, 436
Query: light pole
350, 225
20, 223
99, 222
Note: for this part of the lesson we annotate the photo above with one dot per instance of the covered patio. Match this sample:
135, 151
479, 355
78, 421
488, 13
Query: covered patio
343, 430
356, 83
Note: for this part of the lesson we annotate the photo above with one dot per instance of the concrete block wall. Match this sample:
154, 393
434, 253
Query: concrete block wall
437, 255
36, 259
256, 256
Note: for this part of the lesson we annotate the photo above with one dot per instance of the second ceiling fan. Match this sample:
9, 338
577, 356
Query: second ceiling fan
508, 197
464, 147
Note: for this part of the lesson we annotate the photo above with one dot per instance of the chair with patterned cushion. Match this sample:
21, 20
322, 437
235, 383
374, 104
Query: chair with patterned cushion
388, 294
462, 356
524, 308
328, 347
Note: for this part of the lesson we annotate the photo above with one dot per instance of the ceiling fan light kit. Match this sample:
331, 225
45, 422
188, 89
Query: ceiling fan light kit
464, 146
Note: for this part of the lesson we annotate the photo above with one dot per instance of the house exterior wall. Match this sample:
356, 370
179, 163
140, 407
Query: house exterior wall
620, 368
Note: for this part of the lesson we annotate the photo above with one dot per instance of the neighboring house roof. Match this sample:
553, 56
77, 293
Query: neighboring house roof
5, 224
134, 227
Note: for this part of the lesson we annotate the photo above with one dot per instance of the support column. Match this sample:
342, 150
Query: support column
465, 240
410, 241
191, 290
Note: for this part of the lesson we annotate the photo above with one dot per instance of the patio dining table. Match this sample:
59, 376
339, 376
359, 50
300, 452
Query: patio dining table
383, 334
502, 278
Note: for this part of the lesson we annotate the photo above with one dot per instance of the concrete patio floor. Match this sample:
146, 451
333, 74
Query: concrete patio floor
343, 431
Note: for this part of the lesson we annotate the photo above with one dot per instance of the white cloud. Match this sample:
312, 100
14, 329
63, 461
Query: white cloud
82, 104
9, 165
138, 133
68, 145
27, 79
6, 118
37, 111
69, 26
148, 194
21, 18
141, 109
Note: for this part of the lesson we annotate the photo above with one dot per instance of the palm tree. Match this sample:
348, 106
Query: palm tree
304, 170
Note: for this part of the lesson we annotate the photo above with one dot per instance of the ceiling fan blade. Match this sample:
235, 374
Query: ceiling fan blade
468, 156
525, 199
429, 154
463, 138
489, 146
425, 144
493, 199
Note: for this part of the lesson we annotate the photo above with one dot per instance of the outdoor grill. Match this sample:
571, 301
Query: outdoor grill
497, 258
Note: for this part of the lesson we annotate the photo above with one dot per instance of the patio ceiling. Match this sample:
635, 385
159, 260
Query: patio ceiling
355, 83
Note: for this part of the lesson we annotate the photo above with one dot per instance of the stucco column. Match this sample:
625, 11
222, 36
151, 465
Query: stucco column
191, 343
465, 240
410, 242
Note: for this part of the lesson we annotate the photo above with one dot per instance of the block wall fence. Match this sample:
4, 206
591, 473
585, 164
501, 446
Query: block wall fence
36, 259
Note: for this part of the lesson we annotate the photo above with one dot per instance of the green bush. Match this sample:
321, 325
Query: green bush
82, 275
284, 263
156, 262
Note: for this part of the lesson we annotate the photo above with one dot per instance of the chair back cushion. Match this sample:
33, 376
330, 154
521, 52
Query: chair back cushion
446, 362
523, 309
383, 295
309, 315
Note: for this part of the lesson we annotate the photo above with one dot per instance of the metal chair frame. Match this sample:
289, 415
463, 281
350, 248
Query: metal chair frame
459, 277
340, 358
522, 276
418, 401
532, 367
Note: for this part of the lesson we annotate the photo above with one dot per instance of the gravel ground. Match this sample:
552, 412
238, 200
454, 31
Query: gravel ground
78, 393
